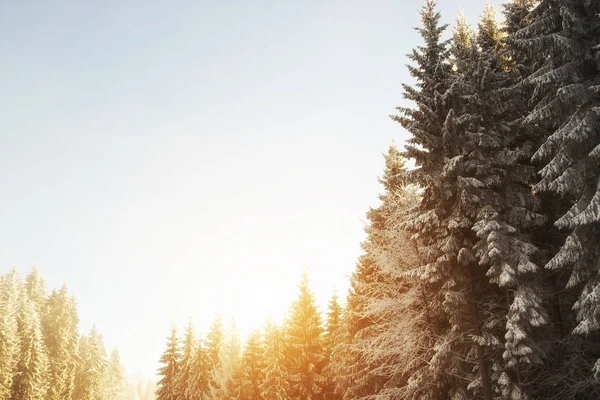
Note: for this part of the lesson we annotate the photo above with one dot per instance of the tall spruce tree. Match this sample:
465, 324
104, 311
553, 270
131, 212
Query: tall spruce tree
563, 39
252, 368
354, 376
91, 371
559, 40
305, 351
200, 388
115, 386
275, 384
61, 334
35, 287
183, 379
31, 374
230, 374
169, 370
483, 218
331, 340
394, 343
438, 245
458, 190
214, 348
10, 288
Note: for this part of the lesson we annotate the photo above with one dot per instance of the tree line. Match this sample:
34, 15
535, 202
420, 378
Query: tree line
42, 354
275, 363
480, 272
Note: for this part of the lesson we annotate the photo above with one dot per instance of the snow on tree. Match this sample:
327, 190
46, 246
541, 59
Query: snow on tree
35, 288
275, 385
397, 341
214, 345
31, 374
115, 385
331, 338
565, 37
200, 374
473, 223
92, 367
183, 378
252, 367
61, 337
304, 352
169, 370
439, 224
10, 288
225, 346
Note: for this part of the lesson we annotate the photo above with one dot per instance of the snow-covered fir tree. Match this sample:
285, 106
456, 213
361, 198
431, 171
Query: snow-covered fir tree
61, 338
439, 241
331, 339
30, 380
115, 383
183, 378
91, 371
353, 375
565, 36
252, 368
214, 347
169, 369
275, 384
10, 289
35, 288
226, 377
394, 343
200, 374
304, 352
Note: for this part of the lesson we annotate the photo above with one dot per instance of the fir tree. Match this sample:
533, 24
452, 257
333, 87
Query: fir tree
494, 169
214, 344
31, 374
183, 379
396, 344
10, 286
305, 348
200, 374
91, 371
354, 376
60, 328
332, 338
563, 39
556, 42
35, 287
252, 369
275, 385
230, 373
170, 361
115, 386
442, 223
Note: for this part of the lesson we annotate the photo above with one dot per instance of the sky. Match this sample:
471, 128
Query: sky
176, 159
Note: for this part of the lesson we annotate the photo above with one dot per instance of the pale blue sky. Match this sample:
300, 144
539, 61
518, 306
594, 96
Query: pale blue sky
167, 158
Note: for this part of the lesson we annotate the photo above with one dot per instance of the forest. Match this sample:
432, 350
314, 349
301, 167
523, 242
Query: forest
479, 277
44, 357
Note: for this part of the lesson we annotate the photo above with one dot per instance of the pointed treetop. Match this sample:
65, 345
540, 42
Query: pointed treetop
463, 44
432, 31
115, 354
395, 174
430, 18
489, 34
334, 313
516, 14
463, 33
